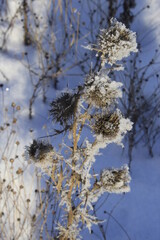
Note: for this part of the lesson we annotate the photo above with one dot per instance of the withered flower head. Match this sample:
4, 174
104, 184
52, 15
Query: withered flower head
116, 42
63, 108
115, 180
38, 148
107, 125
100, 91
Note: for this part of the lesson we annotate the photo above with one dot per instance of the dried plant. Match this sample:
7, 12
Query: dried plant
101, 91
20, 190
63, 108
115, 43
115, 180
107, 125
38, 148
76, 185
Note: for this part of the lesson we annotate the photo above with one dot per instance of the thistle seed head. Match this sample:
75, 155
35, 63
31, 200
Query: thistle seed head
63, 108
38, 148
107, 125
115, 180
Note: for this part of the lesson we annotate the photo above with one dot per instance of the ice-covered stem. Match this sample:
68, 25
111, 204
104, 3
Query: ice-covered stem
76, 137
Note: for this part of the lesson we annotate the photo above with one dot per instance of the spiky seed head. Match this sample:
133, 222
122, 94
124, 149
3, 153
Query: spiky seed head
107, 125
63, 108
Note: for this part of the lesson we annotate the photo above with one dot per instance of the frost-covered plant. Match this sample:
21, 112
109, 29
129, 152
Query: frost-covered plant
62, 109
115, 43
115, 180
100, 90
93, 106
38, 148
107, 125
42, 154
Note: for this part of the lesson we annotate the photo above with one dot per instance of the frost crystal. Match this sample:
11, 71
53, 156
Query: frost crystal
115, 180
86, 217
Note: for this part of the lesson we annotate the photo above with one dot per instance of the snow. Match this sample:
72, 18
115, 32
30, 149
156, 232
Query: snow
138, 211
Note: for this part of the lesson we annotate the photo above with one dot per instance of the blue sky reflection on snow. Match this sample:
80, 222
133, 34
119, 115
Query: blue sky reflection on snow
138, 211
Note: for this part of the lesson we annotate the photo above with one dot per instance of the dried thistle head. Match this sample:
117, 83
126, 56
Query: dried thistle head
107, 125
100, 91
115, 43
115, 180
63, 108
38, 148
43, 156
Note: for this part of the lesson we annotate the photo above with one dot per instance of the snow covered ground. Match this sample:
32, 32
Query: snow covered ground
135, 215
